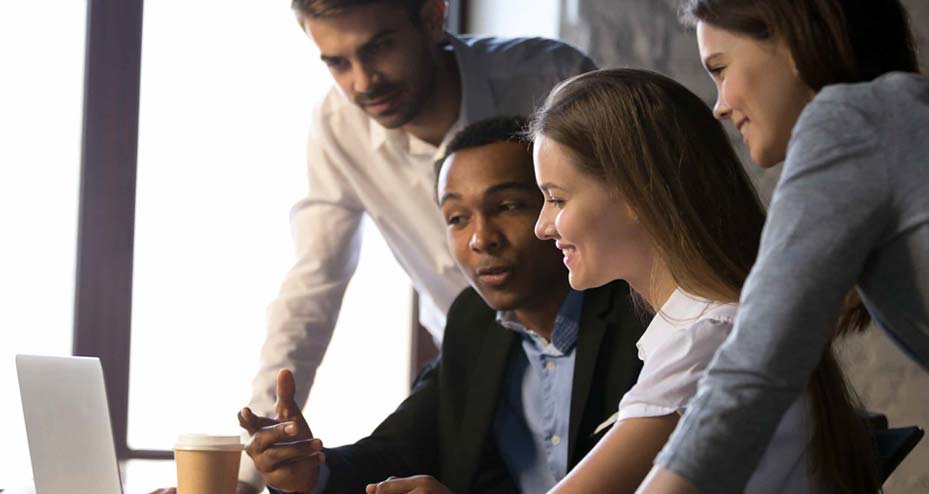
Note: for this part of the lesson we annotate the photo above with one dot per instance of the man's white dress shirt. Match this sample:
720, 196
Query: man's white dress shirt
357, 167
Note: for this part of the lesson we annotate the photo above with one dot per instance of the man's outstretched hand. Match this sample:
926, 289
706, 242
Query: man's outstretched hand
283, 447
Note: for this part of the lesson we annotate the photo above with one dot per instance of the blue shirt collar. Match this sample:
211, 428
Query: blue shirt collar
565, 329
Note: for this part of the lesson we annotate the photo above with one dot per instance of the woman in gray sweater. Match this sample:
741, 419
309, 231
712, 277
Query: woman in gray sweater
829, 87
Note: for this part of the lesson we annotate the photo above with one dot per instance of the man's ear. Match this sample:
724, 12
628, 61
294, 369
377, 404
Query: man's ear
432, 17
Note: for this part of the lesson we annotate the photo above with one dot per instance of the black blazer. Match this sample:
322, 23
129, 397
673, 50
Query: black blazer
445, 427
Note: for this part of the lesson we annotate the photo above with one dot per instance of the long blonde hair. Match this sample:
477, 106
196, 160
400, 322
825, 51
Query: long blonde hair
660, 147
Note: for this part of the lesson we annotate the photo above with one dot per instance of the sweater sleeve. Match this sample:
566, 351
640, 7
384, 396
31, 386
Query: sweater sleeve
828, 212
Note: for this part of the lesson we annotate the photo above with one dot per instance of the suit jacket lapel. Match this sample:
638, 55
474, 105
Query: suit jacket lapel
593, 327
483, 393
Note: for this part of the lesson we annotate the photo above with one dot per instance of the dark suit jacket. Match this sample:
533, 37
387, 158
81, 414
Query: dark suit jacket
445, 427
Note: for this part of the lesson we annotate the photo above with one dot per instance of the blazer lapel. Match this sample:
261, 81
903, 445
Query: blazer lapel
593, 327
482, 397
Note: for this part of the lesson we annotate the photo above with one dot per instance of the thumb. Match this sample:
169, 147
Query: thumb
286, 408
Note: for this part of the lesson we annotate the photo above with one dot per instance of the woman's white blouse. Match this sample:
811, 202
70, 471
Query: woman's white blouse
676, 349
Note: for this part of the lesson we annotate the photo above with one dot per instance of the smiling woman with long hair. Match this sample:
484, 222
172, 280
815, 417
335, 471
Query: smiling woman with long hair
830, 88
642, 185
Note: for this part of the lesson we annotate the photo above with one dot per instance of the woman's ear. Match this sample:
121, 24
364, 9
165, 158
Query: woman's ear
784, 51
790, 59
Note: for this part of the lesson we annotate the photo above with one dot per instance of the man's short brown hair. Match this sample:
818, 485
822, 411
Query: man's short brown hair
325, 8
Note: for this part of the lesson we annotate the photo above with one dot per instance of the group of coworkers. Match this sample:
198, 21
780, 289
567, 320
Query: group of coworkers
636, 321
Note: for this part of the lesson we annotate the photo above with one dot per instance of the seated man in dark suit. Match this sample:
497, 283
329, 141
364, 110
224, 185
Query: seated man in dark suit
528, 370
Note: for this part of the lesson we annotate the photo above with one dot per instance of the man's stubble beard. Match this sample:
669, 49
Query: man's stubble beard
422, 91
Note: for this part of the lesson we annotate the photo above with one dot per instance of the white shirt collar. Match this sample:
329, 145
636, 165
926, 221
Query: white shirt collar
679, 312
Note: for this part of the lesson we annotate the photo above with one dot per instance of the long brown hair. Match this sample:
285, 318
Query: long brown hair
832, 41
659, 146
662, 150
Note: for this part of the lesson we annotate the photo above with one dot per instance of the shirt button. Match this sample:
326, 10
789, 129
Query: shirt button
556, 440
550, 365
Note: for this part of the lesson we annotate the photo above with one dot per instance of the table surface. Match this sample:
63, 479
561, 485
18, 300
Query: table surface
138, 476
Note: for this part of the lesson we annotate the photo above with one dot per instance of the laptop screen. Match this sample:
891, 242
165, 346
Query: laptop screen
68, 425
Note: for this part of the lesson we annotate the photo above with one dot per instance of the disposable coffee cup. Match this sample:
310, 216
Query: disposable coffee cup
207, 464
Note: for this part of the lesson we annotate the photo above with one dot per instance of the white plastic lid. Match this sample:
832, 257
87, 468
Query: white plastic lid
207, 442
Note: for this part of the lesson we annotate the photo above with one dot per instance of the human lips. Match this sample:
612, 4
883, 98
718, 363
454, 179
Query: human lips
740, 126
495, 275
382, 104
568, 251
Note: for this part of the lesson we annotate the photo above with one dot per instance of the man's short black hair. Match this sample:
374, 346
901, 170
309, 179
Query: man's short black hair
325, 8
489, 131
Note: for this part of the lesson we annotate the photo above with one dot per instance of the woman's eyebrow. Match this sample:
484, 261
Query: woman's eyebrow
547, 186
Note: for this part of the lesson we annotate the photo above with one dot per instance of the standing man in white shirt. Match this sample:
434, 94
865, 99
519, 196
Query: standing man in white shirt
403, 87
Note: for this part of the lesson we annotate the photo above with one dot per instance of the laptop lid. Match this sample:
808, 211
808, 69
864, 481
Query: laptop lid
68, 425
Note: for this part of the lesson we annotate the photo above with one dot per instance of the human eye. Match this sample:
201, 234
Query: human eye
455, 220
509, 206
382, 44
336, 64
716, 71
377, 47
554, 201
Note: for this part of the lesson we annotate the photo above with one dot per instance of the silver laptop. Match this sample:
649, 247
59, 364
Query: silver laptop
68, 425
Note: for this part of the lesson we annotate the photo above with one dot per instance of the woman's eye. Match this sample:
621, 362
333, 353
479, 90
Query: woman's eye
555, 202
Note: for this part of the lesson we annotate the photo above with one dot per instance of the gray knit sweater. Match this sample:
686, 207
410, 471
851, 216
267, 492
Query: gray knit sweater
851, 209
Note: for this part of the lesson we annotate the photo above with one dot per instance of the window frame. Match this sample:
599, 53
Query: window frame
106, 209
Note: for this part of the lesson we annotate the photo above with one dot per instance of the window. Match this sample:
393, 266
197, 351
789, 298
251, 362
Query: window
67, 261
224, 112
40, 136
517, 17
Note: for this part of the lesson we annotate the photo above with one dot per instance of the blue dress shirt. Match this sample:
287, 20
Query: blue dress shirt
534, 413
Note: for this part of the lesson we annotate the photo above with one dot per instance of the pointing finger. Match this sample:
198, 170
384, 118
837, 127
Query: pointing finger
286, 406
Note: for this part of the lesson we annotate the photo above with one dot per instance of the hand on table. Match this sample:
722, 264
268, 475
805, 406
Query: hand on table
283, 448
418, 484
